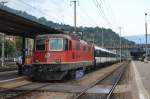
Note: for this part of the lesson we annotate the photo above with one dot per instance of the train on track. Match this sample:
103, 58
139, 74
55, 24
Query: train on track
58, 55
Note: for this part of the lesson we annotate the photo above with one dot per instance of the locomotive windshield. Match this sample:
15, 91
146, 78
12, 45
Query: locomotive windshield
56, 44
40, 44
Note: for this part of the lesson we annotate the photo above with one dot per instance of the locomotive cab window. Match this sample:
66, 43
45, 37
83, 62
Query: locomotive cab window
58, 44
40, 44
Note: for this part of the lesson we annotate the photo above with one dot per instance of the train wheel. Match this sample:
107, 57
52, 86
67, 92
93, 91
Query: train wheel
79, 73
71, 74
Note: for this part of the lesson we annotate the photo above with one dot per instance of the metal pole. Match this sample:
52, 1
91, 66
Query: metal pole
146, 35
102, 38
3, 46
23, 49
75, 29
139, 42
82, 35
3, 41
120, 45
93, 37
27, 46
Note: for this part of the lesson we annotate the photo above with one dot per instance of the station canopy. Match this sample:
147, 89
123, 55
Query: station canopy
15, 25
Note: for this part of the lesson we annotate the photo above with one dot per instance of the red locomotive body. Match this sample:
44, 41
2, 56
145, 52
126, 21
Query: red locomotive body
56, 55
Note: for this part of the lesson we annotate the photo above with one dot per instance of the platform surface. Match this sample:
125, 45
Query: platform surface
8, 75
142, 76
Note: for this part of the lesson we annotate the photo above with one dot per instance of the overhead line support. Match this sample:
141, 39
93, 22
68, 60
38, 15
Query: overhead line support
75, 24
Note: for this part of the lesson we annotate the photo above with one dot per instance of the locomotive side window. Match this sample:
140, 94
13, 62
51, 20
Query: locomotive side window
70, 45
56, 44
65, 44
40, 44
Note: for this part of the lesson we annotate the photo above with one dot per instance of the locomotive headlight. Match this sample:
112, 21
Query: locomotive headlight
47, 55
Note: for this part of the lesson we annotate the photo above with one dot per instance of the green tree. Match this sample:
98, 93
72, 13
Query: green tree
10, 48
18, 44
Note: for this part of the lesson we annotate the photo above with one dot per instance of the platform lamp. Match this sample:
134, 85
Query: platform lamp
120, 44
146, 36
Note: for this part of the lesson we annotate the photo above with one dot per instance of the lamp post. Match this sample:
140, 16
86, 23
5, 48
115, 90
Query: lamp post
139, 42
146, 35
120, 45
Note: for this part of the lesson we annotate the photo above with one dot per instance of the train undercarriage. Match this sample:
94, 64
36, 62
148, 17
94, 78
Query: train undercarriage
46, 72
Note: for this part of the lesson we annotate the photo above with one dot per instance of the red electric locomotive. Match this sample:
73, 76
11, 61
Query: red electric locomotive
56, 55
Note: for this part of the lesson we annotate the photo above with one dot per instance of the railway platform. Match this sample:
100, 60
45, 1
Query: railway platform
8, 75
142, 78
8, 66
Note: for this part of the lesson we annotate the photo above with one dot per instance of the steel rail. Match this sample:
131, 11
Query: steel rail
27, 92
115, 84
11, 89
95, 83
21, 93
13, 79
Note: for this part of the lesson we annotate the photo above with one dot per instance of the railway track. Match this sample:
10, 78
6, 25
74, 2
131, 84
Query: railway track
13, 93
77, 91
9, 66
116, 74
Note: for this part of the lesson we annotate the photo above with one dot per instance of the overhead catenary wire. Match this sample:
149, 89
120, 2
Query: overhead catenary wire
100, 6
68, 16
97, 3
40, 11
43, 13
110, 11
84, 12
101, 12
84, 16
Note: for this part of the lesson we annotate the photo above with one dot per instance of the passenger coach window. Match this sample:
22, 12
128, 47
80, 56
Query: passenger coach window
40, 44
56, 44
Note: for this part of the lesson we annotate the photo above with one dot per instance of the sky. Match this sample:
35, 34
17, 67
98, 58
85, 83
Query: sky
127, 14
